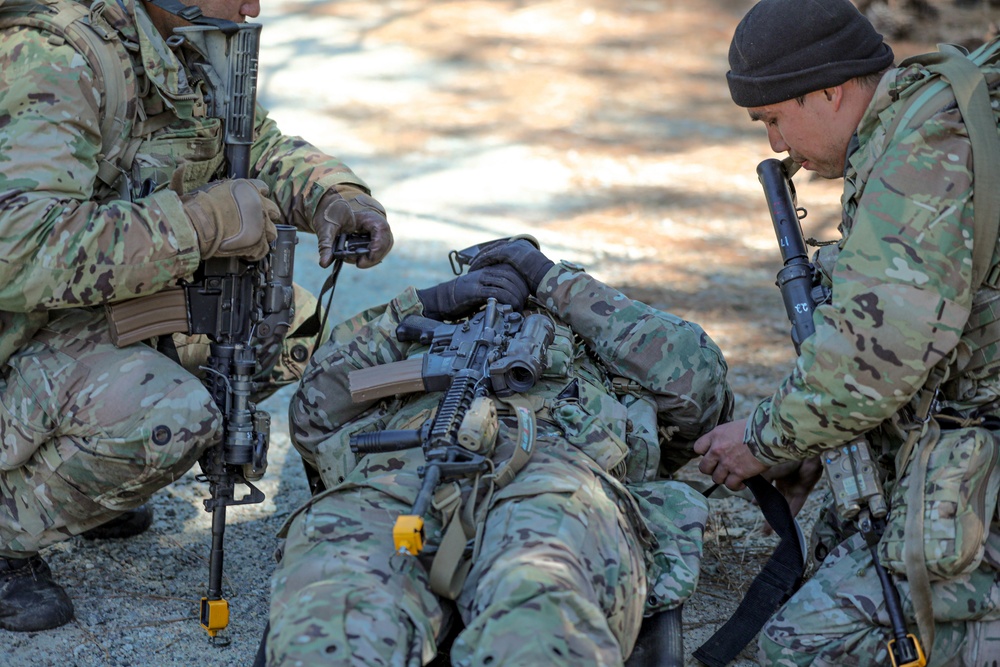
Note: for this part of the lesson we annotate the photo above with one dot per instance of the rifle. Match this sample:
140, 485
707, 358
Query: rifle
496, 352
230, 300
850, 468
230, 74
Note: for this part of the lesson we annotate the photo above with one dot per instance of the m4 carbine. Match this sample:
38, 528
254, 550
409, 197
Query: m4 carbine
239, 305
496, 352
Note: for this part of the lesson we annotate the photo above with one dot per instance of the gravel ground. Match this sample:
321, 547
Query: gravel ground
602, 127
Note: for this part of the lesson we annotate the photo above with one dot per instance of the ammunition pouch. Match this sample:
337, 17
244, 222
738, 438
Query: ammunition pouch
982, 336
950, 486
560, 354
595, 422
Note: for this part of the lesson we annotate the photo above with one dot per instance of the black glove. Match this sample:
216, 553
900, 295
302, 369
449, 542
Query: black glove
520, 254
464, 295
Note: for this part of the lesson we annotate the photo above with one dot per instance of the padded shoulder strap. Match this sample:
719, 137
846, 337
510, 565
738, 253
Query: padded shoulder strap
962, 72
86, 31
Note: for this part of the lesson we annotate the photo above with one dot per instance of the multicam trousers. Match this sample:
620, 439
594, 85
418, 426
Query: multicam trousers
838, 618
88, 430
560, 580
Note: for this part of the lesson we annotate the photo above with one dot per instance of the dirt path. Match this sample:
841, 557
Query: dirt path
602, 127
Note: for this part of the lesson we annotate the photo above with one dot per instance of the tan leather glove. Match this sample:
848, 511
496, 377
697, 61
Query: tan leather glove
347, 209
233, 218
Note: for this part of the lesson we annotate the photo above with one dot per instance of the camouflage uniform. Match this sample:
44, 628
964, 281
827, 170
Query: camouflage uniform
86, 429
570, 552
902, 300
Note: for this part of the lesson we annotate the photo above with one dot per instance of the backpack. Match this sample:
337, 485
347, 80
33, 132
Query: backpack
946, 495
86, 30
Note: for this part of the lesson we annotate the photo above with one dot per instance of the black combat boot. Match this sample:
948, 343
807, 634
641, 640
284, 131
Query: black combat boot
29, 599
129, 524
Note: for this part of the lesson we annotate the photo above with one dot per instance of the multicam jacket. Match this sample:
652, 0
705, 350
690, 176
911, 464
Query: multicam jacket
901, 278
64, 241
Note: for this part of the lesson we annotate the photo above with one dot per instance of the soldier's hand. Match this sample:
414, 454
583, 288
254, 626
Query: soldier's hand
346, 209
232, 218
464, 295
726, 457
795, 480
521, 254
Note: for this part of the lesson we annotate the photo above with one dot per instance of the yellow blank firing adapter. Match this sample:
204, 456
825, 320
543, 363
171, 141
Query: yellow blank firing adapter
913, 654
214, 615
408, 534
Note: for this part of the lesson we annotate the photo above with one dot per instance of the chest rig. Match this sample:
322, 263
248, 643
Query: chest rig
152, 135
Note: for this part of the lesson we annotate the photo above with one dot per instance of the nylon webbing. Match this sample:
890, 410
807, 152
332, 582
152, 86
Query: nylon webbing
527, 431
450, 566
778, 579
99, 44
972, 96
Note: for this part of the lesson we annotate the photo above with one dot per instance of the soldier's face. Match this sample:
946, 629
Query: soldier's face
811, 132
231, 10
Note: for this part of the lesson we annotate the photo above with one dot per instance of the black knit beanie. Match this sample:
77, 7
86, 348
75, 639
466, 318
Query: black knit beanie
786, 48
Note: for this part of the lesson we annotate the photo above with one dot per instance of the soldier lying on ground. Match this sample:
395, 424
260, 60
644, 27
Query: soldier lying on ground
568, 552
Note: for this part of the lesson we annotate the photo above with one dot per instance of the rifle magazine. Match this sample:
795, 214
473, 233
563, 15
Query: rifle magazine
131, 321
400, 377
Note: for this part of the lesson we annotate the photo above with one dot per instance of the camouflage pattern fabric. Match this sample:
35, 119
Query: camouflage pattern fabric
839, 618
570, 553
901, 283
902, 296
87, 430
64, 244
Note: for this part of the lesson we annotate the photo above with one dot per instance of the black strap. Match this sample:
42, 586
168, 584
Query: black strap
316, 323
260, 659
778, 579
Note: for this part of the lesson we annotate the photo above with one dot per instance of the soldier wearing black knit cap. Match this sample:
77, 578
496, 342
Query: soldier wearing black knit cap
804, 64
911, 281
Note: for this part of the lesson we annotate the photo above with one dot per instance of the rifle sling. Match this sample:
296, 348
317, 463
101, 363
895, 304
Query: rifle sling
527, 431
451, 566
778, 579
